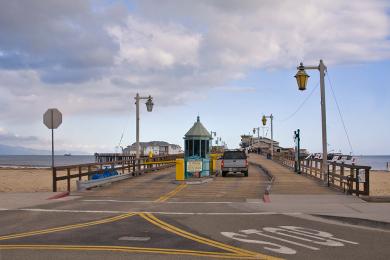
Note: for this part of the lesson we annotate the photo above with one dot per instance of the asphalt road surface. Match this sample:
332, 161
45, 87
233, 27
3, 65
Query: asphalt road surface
150, 216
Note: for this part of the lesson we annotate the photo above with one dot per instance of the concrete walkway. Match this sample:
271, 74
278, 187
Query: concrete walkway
16, 200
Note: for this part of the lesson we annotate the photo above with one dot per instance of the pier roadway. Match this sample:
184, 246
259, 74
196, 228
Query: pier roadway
152, 217
288, 182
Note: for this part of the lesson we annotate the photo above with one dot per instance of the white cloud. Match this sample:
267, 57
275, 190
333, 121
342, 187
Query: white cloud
184, 49
152, 46
276, 34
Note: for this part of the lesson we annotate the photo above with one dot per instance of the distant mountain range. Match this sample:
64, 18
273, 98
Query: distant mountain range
19, 150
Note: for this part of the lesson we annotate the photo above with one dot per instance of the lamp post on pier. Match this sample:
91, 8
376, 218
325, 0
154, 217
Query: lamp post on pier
213, 134
264, 120
302, 78
258, 132
149, 107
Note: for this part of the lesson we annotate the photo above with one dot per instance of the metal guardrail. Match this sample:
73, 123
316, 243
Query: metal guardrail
123, 167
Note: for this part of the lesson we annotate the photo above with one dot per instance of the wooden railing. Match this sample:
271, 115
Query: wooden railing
132, 166
350, 178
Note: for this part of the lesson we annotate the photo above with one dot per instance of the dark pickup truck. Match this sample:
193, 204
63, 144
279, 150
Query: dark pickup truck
234, 161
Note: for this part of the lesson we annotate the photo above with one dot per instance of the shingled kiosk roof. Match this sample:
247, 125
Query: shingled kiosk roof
198, 131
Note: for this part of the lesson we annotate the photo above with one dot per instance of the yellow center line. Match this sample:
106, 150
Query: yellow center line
67, 227
171, 193
155, 221
240, 252
125, 249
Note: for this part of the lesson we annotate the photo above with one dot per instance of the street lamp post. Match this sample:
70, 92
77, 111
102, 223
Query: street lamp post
302, 78
149, 107
258, 132
215, 134
297, 140
264, 120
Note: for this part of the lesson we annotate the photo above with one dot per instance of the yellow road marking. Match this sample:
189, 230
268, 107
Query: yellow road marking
171, 193
240, 252
125, 249
68, 227
170, 228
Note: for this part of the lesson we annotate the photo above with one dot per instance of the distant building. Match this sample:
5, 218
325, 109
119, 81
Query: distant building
263, 144
157, 147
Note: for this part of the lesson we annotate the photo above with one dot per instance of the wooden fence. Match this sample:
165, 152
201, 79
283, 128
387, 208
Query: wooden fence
127, 166
350, 178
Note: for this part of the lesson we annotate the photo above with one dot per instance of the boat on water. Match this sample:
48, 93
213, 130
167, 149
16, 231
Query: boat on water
67, 154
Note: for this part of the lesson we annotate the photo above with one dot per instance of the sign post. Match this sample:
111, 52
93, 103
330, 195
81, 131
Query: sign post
297, 139
52, 118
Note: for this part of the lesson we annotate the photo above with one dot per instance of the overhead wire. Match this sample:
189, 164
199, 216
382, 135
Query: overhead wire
302, 104
123, 131
340, 114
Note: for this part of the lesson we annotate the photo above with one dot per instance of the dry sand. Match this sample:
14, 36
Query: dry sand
379, 183
29, 180
39, 180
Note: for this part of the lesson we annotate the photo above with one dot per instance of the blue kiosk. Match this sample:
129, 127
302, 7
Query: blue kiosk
197, 142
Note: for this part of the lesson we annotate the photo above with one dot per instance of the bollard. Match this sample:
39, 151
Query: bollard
180, 170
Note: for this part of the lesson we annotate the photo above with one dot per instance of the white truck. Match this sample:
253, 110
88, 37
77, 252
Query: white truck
234, 161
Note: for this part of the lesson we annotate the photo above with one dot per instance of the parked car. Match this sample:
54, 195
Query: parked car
234, 161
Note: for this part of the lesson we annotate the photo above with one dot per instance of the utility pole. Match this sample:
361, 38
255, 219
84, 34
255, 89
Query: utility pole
137, 126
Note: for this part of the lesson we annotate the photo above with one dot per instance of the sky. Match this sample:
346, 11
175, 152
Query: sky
230, 62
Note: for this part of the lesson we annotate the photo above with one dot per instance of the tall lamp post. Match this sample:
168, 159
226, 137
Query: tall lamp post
302, 78
264, 120
149, 107
258, 132
213, 134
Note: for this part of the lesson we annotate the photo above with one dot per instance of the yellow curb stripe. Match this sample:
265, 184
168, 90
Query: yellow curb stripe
124, 249
159, 162
68, 227
242, 252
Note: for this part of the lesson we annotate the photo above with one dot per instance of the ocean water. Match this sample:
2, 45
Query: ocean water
377, 162
43, 160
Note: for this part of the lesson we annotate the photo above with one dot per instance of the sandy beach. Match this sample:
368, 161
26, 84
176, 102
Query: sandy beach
29, 180
40, 180
379, 183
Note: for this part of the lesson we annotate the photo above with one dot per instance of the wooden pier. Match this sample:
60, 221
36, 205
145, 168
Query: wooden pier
349, 178
122, 164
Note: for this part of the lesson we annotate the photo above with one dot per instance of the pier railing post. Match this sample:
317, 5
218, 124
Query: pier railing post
54, 179
68, 179
367, 183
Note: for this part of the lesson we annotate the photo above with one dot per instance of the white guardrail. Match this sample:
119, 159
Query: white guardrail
83, 185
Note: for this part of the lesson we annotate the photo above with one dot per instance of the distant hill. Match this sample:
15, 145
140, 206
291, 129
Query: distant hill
19, 150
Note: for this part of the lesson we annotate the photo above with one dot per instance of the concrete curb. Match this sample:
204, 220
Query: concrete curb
60, 195
271, 178
357, 221
376, 198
